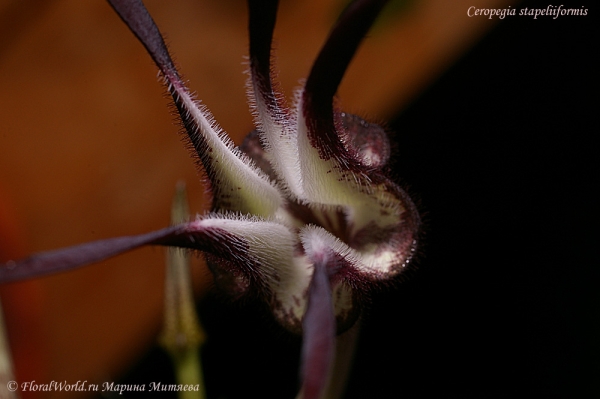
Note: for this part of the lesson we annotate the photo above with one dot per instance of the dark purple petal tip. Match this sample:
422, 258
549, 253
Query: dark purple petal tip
328, 70
61, 260
136, 17
318, 335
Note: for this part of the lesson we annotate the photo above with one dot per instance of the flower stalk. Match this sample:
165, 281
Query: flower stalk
182, 335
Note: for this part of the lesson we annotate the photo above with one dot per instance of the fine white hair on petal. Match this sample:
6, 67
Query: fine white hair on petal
248, 188
373, 261
325, 181
278, 136
269, 243
272, 246
318, 242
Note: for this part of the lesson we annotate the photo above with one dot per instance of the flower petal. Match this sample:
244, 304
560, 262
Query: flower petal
44, 263
331, 171
327, 72
344, 268
368, 141
259, 250
318, 332
272, 115
236, 183
250, 253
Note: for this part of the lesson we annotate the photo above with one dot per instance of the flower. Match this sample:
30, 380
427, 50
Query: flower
304, 215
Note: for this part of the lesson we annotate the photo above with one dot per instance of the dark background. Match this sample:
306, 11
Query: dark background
503, 300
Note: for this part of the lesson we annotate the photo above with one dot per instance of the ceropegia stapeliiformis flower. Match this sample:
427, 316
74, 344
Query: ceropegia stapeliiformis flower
303, 213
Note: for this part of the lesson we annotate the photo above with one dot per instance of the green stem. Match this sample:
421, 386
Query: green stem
188, 371
182, 335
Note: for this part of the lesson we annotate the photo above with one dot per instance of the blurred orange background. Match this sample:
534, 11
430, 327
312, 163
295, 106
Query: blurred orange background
89, 150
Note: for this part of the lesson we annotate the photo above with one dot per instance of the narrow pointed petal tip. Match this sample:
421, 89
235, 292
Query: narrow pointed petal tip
136, 17
235, 182
242, 241
272, 115
327, 73
318, 333
70, 258
261, 23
